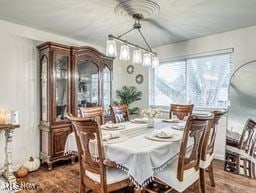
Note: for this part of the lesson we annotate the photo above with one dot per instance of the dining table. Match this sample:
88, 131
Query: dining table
138, 150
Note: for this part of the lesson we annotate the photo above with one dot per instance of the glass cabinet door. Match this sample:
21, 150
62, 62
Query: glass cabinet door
44, 88
61, 78
106, 88
87, 84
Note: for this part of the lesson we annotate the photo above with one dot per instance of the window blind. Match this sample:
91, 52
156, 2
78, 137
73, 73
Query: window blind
202, 81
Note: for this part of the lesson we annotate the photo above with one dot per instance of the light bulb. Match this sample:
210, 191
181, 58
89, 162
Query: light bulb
146, 59
124, 53
137, 58
155, 61
111, 48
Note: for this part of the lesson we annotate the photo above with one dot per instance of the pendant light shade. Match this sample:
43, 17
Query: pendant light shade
111, 48
143, 55
124, 53
146, 59
155, 61
137, 57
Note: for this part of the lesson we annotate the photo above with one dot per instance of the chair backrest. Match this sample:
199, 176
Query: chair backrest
210, 134
181, 111
248, 135
120, 113
87, 131
194, 130
93, 113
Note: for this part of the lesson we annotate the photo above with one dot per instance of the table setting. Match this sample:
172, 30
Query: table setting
138, 148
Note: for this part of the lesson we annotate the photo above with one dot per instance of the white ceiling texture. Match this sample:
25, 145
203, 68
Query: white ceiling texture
166, 22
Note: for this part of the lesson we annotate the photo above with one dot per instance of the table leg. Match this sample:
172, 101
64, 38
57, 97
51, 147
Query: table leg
8, 174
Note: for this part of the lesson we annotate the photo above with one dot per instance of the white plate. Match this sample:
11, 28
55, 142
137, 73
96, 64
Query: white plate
117, 127
164, 137
175, 137
111, 125
138, 120
171, 120
177, 127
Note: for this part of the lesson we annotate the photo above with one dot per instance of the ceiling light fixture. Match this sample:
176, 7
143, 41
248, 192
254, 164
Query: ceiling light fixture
149, 57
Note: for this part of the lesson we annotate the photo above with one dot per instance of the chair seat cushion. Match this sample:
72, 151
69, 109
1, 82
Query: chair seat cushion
205, 164
113, 176
169, 176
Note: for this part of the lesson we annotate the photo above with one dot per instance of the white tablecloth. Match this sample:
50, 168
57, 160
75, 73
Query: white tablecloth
138, 156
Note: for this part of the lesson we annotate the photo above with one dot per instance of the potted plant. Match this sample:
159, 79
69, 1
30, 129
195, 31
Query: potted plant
128, 95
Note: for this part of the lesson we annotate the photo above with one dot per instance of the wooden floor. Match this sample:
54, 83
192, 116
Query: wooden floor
64, 179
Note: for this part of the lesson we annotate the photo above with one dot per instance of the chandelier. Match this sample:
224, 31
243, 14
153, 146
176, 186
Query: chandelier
149, 58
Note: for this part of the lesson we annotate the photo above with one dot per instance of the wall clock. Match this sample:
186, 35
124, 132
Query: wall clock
139, 79
130, 69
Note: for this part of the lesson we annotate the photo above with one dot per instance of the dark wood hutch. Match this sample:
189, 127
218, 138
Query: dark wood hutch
70, 77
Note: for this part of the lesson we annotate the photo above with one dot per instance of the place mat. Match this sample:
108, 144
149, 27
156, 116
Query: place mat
171, 120
174, 138
119, 127
139, 121
177, 127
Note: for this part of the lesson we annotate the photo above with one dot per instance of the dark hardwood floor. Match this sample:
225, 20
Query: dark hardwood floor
64, 179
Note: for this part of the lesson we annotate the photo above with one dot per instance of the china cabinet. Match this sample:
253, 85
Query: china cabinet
70, 78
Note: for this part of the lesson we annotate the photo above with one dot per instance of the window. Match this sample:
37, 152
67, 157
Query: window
202, 81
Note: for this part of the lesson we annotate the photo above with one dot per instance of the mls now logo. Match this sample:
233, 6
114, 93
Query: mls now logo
20, 186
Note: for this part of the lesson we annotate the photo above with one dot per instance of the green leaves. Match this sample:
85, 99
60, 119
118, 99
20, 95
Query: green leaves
129, 95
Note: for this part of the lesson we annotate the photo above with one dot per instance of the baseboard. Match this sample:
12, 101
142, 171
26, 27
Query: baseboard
14, 169
219, 157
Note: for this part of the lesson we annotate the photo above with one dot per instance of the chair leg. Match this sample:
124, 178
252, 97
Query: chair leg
202, 180
253, 170
81, 187
210, 170
249, 168
197, 186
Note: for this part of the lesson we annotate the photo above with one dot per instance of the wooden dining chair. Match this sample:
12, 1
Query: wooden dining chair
208, 149
120, 113
96, 173
245, 150
184, 171
93, 112
180, 111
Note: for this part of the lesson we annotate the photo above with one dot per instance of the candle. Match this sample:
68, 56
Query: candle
2, 119
4, 116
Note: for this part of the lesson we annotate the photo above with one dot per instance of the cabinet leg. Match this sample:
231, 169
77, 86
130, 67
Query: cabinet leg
49, 164
73, 159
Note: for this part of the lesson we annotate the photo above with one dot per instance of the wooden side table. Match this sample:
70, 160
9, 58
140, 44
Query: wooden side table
8, 173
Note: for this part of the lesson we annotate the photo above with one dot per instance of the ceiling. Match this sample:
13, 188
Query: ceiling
92, 20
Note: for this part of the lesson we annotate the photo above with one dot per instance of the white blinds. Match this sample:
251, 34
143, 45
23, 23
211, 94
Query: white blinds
170, 83
202, 81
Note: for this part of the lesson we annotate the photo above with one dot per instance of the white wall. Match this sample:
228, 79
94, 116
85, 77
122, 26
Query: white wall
19, 88
244, 43
122, 78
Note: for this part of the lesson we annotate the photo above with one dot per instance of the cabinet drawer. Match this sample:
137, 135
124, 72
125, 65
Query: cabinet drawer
59, 137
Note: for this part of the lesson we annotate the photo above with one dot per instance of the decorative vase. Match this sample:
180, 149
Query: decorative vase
151, 122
